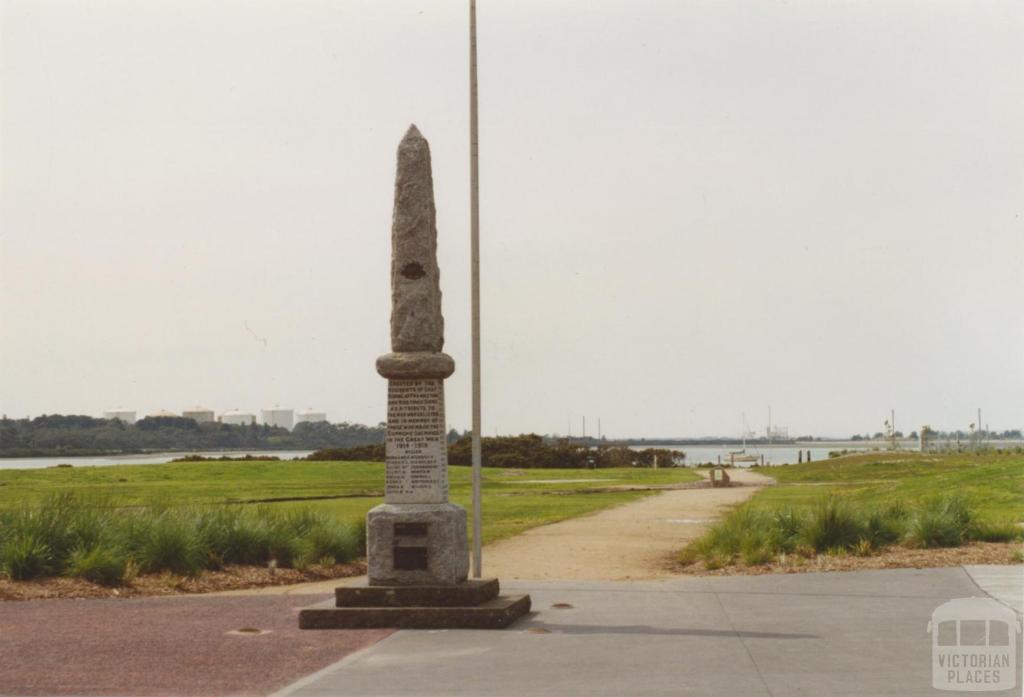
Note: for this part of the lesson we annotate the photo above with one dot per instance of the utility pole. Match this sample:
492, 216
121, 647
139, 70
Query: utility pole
474, 245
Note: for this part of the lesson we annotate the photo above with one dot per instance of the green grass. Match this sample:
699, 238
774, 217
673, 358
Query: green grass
226, 482
992, 483
863, 503
757, 535
73, 536
185, 517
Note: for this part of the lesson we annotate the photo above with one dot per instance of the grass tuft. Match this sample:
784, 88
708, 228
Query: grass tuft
833, 527
25, 556
105, 565
87, 539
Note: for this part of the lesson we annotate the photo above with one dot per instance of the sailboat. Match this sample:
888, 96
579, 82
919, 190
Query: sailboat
741, 455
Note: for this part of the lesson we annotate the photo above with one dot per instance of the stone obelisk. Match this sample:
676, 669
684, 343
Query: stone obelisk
416, 537
417, 553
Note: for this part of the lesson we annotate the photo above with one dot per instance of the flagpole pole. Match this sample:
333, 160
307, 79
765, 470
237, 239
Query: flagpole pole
474, 236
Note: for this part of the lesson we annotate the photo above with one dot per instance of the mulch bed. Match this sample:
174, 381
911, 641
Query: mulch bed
165, 584
891, 558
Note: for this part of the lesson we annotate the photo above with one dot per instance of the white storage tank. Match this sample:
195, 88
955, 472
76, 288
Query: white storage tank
283, 418
126, 415
201, 415
237, 418
310, 416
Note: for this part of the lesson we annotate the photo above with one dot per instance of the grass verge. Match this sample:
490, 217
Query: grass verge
67, 535
866, 505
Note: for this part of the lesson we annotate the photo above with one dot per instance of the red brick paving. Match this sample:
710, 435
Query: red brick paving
164, 646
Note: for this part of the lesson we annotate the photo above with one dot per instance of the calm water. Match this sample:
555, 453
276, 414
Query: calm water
773, 454
695, 454
150, 459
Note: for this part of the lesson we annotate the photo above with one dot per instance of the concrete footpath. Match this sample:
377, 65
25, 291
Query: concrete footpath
831, 634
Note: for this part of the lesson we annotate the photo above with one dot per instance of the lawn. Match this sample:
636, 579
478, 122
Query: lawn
514, 499
869, 505
991, 482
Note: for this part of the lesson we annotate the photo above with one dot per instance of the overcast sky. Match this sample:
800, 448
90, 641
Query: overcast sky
690, 210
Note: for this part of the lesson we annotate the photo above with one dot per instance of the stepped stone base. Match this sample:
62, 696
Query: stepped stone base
471, 605
472, 592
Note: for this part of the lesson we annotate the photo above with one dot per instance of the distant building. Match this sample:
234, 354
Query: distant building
235, 417
201, 415
126, 415
282, 418
161, 413
310, 416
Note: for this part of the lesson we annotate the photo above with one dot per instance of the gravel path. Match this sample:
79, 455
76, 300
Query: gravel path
635, 541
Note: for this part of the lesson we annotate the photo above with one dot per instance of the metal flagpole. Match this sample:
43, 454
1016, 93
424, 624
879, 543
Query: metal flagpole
474, 236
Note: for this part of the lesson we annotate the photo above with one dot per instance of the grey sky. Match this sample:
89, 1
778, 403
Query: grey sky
690, 210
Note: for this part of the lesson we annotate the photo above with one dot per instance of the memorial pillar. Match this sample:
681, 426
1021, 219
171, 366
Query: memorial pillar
417, 551
416, 536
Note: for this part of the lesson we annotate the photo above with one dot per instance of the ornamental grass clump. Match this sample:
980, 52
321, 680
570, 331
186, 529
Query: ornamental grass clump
832, 526
942, 522
105, 565
93, 540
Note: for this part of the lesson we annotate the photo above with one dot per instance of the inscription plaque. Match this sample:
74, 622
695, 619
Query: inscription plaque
410, 529
416, 450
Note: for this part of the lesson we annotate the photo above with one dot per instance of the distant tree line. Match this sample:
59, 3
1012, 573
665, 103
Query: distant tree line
526, 451
84, 435
1009, 434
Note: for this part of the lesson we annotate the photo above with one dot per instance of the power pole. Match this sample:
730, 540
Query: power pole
474, 244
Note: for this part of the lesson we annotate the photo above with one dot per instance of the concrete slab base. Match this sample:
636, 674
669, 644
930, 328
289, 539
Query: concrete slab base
496, 613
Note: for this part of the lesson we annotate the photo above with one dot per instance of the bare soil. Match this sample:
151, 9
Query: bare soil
891, 558
227, 579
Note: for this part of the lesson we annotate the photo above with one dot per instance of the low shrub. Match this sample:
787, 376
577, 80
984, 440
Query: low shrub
85, 539
884, 527
25, 556
995, 531
832, 527
941, 522
935, 529
105, 565
172, 544
831, 524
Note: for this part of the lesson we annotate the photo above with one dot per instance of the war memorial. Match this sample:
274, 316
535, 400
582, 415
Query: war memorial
417, 547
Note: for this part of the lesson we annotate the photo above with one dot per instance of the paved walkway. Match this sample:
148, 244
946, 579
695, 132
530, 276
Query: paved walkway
1004, 583
185, 645
852, 634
